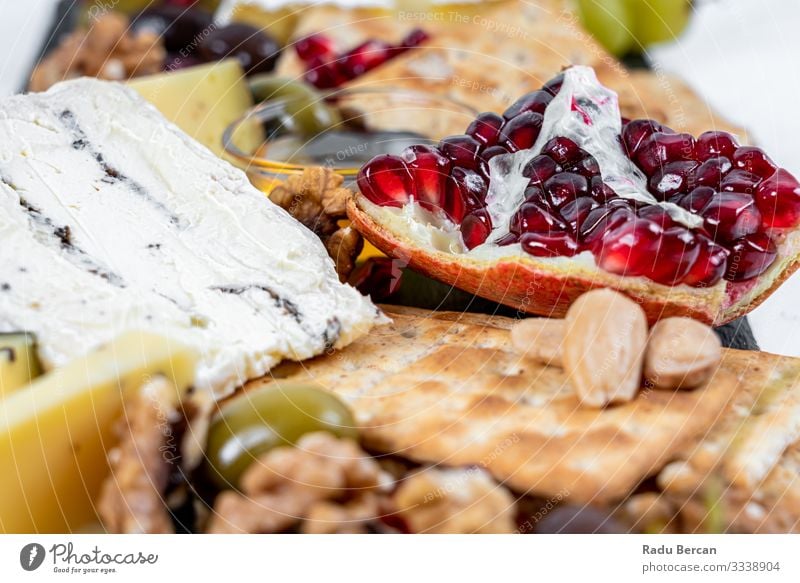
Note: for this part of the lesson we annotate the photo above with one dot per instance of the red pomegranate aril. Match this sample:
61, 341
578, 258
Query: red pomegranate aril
476, 228
586, 167
414, 38
555, 244
636, 131
731, 215
601, 220
386, 181
656, 214
710, 265
533, 217
314, 46
660, 148
740, 181
712, 144
521, 132
553, 86
535, 193
600, 191
536, 101
462, 150
565, 187
576, 212
486, 128
676, 254
697, 199
429, 170
710, 172
563, 150
323, 74
493, 151
753, 160
540, 169
629, 249
778, 199
750, 257
673, 178
466, 191
364, 57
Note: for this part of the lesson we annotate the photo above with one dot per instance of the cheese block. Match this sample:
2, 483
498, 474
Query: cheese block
18, 362
55, 433
112, 219
203, 101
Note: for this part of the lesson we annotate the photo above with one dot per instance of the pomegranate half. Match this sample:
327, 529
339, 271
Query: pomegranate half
560, 195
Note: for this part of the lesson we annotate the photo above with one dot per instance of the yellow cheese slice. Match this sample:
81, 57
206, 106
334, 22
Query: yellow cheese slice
54, 434
203, 100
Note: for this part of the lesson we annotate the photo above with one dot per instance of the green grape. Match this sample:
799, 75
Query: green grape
656, 21
610, 22
306, 107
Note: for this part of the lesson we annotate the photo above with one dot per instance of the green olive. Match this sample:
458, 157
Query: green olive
306, 109
257, 421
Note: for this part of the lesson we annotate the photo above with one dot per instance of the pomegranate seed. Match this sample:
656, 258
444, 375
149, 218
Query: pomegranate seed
636, 131
600, 191
493, 151
576, 212
660, 148
553, 86
712, 144
603, 219
521, 132
466, 191
414, 38
657, 215
314, 46
710, 172
363, 58
629, 249
533, 217
462, 150
750, 256
778, 199
697, 200
486, 128
586, 167
476, 228
710, 265
731, 215
507, 239
429, 169
677, 253
386, 181
549, 244
740, 181
536, 101
323, 74
671, 179
565, 187
753, 160
540, 169
563, 151
535, 193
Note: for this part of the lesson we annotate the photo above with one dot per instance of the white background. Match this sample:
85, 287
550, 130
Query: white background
742, 55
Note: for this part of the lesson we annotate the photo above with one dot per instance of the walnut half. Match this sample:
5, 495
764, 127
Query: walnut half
317, 199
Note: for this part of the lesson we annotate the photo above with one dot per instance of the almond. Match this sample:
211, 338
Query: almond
539, 339
681, 354
603, 349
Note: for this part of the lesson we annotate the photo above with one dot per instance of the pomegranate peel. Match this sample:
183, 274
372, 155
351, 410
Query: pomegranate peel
578, 199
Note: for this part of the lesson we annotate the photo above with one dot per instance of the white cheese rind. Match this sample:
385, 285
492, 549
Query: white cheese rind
112, 219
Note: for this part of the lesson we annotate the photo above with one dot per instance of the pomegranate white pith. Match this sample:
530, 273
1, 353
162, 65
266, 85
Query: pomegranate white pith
560, 195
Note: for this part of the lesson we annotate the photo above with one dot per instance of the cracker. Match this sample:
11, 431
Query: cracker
448, 389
